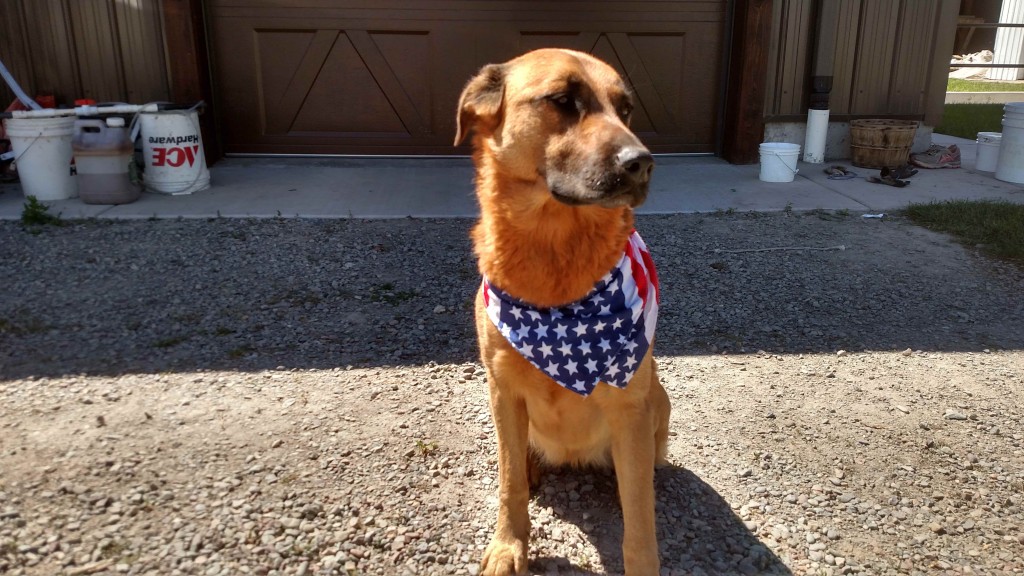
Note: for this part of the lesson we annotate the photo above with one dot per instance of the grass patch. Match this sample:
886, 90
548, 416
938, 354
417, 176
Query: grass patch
966, 120
997, 226
960, 85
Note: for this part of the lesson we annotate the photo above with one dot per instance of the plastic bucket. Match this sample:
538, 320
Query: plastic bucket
988, 151
1010, 166
42, 152
778, 161
173, 149
104, 154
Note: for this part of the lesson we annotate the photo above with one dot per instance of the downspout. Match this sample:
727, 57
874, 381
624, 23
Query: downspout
822, 65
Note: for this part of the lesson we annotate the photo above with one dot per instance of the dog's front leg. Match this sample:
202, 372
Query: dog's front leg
507, 552
633, 452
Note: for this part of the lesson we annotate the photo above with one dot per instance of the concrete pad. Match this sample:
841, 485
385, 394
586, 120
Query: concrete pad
443, 187
706, 184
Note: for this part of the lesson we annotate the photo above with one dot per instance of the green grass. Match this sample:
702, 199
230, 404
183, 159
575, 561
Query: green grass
966, 120
35, 213
996, 226
958, 85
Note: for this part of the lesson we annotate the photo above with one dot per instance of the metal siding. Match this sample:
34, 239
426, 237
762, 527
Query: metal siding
13, 48
110, 50
875, 48
53, 62
96, 43
915, 44
139, 28
795, 55
886, 54
846, 56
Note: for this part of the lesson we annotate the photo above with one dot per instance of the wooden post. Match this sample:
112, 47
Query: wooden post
188, 64
745, 91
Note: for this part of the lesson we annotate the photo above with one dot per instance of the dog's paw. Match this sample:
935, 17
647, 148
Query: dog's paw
504, 558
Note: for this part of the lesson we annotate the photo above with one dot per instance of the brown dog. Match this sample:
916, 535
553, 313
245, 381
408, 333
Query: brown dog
558, 174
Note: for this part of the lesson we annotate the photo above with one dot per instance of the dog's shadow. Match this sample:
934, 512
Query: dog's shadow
698, 533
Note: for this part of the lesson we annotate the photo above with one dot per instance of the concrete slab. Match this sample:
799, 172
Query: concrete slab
443, 187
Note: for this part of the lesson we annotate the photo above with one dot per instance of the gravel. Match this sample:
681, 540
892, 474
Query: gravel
303, 397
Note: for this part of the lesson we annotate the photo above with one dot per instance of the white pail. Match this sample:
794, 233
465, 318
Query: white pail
778, 161
42, 152
1010, 167
173, 149
988, 151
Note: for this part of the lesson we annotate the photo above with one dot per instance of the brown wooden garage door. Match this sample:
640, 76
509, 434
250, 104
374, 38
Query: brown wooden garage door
383, 76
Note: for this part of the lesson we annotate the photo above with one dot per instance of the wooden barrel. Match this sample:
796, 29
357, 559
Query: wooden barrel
881, 143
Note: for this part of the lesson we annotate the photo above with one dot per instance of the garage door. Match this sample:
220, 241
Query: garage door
384, 76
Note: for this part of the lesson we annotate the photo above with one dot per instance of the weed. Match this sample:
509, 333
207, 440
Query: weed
169, 342
386, 293
788, 210
22, 323
241, 351
426, 448
35, 213
112, 549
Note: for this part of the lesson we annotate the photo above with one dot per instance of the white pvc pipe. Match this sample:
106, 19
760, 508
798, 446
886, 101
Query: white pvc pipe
16, 88
85, 111
814, 141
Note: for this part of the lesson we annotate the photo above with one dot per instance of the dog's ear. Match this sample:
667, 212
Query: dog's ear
480, 105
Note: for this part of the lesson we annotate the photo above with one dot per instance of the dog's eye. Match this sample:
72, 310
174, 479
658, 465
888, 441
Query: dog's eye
564, 102
625, 111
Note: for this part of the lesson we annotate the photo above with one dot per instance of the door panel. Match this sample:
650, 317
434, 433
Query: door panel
356, 77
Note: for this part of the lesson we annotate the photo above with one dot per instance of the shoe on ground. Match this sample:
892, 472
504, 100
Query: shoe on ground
938, 157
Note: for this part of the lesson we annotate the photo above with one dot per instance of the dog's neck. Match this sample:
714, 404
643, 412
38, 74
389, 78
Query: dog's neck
540, 250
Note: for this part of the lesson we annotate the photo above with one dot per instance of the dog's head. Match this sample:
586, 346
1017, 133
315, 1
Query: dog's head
561, 117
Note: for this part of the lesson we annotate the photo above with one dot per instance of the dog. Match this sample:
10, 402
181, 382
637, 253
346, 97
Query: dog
566, 312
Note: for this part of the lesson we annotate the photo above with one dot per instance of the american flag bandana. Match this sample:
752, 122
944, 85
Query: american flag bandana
601, 338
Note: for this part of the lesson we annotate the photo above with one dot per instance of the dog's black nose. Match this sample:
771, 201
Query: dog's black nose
636, 162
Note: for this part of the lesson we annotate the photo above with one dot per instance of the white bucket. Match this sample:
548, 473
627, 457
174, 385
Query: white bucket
1010, 167
42, 152
778, 161
988, 151
173, 149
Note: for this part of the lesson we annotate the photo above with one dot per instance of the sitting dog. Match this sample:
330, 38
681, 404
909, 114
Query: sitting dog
566, 313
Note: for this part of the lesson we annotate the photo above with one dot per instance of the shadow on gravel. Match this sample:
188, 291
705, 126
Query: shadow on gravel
108, 297
698, 533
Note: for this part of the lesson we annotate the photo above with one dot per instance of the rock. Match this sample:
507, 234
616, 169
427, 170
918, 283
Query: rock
954, 415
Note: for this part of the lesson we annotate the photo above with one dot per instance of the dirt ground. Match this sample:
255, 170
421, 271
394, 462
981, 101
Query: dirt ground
835, 411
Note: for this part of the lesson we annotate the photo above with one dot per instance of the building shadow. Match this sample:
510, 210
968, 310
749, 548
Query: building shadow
107, 298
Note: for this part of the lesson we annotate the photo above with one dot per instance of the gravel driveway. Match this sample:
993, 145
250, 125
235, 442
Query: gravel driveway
302, 397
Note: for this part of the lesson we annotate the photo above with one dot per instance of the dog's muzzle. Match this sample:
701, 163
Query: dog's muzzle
623, 183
